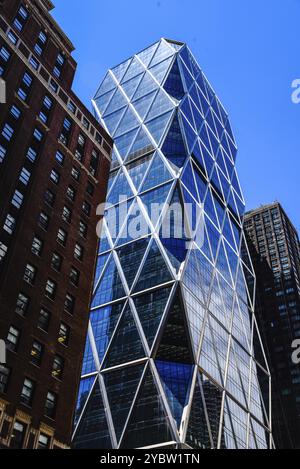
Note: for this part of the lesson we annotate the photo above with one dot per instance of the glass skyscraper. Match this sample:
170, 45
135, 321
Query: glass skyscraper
169, 356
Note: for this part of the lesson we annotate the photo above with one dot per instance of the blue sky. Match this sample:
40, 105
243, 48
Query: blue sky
249, 50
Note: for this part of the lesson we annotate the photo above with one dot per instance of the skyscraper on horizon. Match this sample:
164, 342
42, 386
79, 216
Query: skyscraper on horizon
274, 246
169, 356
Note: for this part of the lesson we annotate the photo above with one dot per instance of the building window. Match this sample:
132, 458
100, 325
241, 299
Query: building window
30, 274
94, 163
33, 62
53, 85
9, 224
4, 378
56, 262
36, 353
75, 173
40, 43
5, 54
71, 193
37, 246
86, 208
17, 199
60, 60
38, 135
21, 18
67, 215
49, 198
78, 252
12, 340
58, 367
74, 276
18, 435
7, 132
64, 334
62, 237
25, 86
31, 154
66, 132
3, 251
3, 152
46, 108
90, 189
59, 157
25, 176
83, 229
27, 392
15, 112
44, 320
12, 37
86, 123
44, 221
22, 304
50, 405
44, 442
69, 304
54, 176
50, 291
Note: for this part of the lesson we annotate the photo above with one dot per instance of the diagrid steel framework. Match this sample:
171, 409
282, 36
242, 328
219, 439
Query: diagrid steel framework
169, 358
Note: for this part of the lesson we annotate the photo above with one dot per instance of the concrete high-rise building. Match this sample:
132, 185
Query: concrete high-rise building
54, 167
169, 358
274, 247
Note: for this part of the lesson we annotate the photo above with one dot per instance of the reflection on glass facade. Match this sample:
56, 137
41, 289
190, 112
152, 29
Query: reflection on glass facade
169, 356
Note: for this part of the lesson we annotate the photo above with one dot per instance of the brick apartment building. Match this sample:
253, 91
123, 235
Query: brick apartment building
54, 165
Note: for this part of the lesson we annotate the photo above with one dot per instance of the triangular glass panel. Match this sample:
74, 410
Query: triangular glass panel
176, 380
115, 217
134, 227
103, 101
163, 52
214, 237
174, 345
130, 86
141, 145
147, 85
148, 424
174, 147
189, 180
213, 397
203, 102
146, 55
173, 84
190, 135
117, 102
121, 188
202, 185
209, 208
134, 69
198, 119
104, 242
110, 287
85, 387
112, 121
129, 121
108, 84
208, 357
196, 314
228, 436
101, 262
198, 436
203, 242
131, 257
233, 261
208, 160
198, 275
155, 271
150, 309
137, 170
220, 209
92, 432
157, 174
121, 387
221, 340
185, 108
158, 126
103, 322
189, 80
161, 105
120, 70
126, 345
159, 71
222, 264
88, 364
124, 142
154, 200
142, 105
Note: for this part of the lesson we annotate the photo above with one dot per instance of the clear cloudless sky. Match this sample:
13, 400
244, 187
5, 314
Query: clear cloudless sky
250, 52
